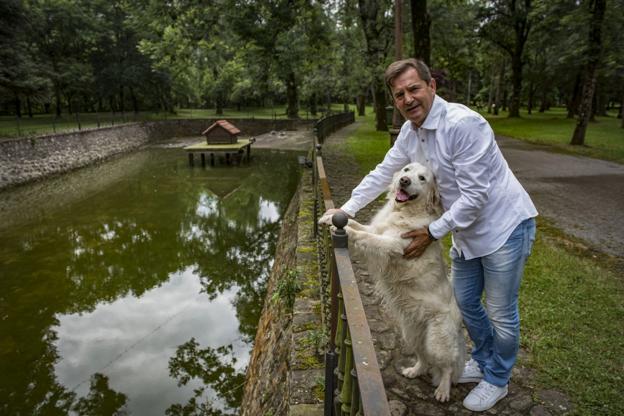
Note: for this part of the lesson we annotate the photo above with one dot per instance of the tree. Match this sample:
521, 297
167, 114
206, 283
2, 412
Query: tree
507, 23
377, 28
421, 22
597, 10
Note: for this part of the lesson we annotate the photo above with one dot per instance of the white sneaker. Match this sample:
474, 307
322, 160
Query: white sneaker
484, 396
472, 373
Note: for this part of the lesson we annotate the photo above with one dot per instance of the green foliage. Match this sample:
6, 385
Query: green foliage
286, 289
319, 339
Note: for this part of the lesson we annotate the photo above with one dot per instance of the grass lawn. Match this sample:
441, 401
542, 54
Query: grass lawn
604, 138
571, 305
46, 123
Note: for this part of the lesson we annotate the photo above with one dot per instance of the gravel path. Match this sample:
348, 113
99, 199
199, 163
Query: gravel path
415, 397
582, 196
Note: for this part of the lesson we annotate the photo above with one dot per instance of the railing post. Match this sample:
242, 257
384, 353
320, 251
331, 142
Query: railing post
345, 393
339, 235
315, 184
355, 393
341, 335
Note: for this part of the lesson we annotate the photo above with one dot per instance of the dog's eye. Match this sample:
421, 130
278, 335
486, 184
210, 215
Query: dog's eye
406, 170
422, 178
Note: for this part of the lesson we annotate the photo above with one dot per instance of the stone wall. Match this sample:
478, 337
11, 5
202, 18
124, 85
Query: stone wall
285, 373
25, 160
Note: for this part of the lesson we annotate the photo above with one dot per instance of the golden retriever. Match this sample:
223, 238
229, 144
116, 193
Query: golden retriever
416, 291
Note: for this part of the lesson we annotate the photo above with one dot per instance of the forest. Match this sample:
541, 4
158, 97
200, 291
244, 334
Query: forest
65, 56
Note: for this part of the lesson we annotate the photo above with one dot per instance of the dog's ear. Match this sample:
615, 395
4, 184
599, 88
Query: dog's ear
433, 204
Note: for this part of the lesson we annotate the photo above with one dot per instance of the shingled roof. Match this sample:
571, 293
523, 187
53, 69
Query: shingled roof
229, 127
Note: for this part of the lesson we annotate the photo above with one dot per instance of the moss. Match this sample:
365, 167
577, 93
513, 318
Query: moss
306, 249
306, 359
308, 326
319, 389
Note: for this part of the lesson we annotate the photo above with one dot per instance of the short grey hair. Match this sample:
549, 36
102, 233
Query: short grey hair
397, 68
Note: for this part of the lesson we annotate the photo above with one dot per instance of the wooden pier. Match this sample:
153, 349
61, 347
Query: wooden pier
230, 150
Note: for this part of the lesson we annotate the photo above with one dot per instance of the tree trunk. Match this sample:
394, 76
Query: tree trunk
492, 88
135, 102
18, 106
594, 105
219, 104
292, 97
371, 13
519, 12
57, 96
121, 99
421, 23
531, 97
597, 9
313, 108
361, 105
544, 104
516, 82
575, 100
29, 107
497, 95
621, 115
379, 96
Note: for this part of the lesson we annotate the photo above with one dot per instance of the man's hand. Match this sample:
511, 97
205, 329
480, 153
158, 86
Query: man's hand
420, 241
327, 217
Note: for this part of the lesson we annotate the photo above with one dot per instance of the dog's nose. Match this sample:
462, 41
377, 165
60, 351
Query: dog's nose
405, 181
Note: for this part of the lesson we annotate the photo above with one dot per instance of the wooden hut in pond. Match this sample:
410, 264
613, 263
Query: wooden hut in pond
221, 132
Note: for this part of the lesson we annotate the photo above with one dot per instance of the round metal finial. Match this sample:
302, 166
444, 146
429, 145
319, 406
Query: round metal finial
339, 235
340, 219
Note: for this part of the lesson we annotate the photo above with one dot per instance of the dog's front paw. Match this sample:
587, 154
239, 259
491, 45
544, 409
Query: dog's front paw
415, 371
325, 219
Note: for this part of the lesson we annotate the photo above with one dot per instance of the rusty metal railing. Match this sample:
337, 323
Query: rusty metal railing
353, 382
329, 124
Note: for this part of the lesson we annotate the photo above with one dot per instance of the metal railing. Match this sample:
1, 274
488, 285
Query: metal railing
329, 124
353, 382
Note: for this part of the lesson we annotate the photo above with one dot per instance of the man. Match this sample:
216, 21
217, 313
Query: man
490, 216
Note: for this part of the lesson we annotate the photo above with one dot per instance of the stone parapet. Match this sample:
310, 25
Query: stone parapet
28, 159
286, 370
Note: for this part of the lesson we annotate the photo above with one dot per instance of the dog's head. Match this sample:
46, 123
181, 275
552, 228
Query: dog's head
415, 185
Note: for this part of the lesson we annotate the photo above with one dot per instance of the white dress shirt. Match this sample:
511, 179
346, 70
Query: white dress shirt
482, 199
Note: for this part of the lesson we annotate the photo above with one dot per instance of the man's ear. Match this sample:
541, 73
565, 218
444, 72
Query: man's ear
432, 85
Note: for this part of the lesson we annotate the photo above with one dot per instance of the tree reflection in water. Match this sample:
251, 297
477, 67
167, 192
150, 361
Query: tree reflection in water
124, 238
215, 368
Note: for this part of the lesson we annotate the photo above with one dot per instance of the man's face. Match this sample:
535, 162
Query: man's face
413, 96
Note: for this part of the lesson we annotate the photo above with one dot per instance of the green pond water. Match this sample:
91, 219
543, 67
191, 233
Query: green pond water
136, 285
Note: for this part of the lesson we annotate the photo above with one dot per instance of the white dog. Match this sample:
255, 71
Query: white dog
416, 291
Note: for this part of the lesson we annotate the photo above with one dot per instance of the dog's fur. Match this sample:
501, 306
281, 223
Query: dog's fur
416, 291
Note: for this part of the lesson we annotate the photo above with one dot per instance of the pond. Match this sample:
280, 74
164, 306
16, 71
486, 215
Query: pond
136, 285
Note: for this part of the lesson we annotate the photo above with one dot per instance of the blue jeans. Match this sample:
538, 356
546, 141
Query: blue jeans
495, 328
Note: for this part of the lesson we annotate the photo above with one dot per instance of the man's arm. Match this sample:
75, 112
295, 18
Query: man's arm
472, 146
473, 154
378, 179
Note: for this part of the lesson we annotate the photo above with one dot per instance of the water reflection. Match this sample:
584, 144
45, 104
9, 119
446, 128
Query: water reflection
142, 294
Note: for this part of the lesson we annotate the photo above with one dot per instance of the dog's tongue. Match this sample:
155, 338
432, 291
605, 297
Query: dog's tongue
401, 196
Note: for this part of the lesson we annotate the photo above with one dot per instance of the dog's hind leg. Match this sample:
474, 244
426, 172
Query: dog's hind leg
443, 392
